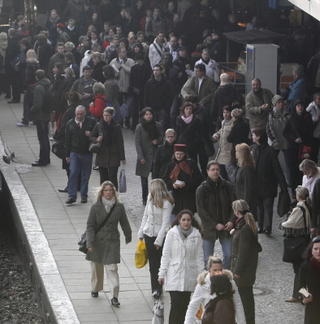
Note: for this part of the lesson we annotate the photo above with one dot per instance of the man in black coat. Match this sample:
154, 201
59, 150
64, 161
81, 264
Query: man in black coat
41, 116
77, 142
158, 96
315, 223
214, 199
164, 155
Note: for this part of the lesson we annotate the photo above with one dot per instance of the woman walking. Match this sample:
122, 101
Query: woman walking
154, 226
297, 225
181, 261
104, 245
309, 279
244, 259
108, 134
147, 138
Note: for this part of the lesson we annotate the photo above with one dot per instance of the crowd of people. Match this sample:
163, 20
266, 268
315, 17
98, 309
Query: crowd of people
217, 158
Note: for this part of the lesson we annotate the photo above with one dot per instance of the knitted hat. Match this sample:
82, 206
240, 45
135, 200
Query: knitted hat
180, 148
276, 98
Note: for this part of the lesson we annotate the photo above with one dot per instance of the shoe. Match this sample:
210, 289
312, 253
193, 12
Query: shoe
13, 101
70, 201
156, 294
84, 200
144, 202
95, 168
115, 302
292, 300
22, 124
63, 190
39, 164
94, 294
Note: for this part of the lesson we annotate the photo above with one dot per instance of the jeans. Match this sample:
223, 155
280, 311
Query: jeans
43, 137
179, 305
154, 258
247, 299
225, 241
265, 213
80, 164
145, 190
109, 174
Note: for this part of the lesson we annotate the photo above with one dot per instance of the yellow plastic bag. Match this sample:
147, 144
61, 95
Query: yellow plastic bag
141, 257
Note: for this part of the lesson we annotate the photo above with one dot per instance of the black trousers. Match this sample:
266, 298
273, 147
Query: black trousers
144, 187
27, 104
154, 257
247, 299
179, 305
296, 267
109, 174
265, 213
43, 137
14, 81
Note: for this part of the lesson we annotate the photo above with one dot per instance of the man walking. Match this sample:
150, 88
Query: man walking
214, 199
78, 131
41, 115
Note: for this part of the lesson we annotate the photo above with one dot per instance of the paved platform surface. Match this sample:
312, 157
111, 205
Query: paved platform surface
63, 226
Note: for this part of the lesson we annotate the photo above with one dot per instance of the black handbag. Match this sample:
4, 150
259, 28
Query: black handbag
294, 247
58, 149
83, 239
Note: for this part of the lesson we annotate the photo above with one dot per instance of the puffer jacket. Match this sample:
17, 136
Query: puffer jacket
181, 261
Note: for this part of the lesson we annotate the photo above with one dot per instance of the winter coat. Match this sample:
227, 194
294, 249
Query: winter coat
162, 159
316, 205
158, 94
309, 279
224, 155
58, 90
184, 197
97, 106
109, 155
299, 126
246, 186
190, 134
268, 171
276, 123
258, 117
145, 150
239, 132
156, 221
244, 254
75, 138
112, 93
122, 71
40, 92
29, 74
219, 310
155, 53
214, 205
84, 86
297, 90
106, 243
181, 261
191, 88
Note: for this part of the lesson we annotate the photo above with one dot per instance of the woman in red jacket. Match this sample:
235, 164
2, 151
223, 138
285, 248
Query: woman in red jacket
100, 100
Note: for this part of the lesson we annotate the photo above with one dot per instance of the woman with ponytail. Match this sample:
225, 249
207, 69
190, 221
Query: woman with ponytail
244, 258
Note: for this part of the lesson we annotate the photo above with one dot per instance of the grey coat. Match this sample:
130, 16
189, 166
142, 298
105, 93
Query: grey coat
258, 117
106, 243
145, 150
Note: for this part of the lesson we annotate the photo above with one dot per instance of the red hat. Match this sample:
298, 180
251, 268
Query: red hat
180, 148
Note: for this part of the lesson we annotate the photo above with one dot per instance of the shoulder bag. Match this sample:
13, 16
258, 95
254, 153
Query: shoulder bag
83, 239
294, 247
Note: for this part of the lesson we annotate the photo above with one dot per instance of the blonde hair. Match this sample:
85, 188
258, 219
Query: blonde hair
302, 192
242, 207
102, 187
159, 193
31, 56
244, 157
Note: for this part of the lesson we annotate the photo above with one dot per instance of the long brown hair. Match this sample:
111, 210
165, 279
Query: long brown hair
243, 155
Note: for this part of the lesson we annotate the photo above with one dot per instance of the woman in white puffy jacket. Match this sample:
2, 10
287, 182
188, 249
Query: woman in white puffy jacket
154, 226
182, 259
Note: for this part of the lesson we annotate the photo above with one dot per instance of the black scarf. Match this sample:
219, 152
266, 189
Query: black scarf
151, 128
107, 130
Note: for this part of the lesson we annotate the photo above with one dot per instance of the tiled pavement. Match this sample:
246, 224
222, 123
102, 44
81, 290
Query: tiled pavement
63, 225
